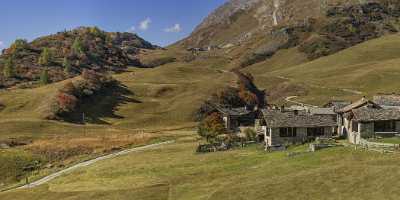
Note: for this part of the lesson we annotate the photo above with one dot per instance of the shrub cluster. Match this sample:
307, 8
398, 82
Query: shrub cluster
246, 94
65, 54
73, 93
211, 127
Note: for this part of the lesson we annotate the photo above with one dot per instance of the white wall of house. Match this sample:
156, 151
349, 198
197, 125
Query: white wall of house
364, 129
347, 125
272, 136
340, 125
227, 122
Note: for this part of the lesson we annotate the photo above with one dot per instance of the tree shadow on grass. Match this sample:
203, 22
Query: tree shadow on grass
104, 104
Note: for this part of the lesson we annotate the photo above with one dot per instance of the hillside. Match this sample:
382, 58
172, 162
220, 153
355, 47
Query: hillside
253, 31
78, 49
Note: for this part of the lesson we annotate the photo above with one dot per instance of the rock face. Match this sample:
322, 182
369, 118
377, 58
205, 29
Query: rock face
224, 13
223, 17
257, 29
236, 19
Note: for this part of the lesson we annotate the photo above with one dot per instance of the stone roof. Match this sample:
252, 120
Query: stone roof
337, 105
368, 114
360, 103
321, 111
312, 110
277, 118
387, 100
234, 111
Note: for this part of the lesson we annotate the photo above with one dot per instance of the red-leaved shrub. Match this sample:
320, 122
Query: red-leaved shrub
66, 102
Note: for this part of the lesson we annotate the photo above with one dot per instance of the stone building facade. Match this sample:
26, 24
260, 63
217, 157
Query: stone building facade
285, 127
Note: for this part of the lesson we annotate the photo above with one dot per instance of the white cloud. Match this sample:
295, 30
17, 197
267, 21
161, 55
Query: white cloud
174, 29
132, 29
1, 44
145, 24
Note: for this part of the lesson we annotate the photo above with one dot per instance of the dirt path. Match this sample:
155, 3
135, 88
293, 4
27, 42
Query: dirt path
352, 91
290, 100
90, 162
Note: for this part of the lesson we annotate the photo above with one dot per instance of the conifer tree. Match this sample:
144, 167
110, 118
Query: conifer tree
45, 57
9, 71
77, 47
44, 77
67, 65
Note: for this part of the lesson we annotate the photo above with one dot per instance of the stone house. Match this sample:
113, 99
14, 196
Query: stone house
280, 127
390, 100
344, 123
365, 119
237, 119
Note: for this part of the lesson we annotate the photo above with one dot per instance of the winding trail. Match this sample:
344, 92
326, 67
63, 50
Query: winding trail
290, 99
90, 162
351, 91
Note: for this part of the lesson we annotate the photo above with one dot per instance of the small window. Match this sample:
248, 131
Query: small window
315, 132
385, 126
288, 132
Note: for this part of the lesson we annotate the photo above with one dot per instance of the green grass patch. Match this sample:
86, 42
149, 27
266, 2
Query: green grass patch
392, 140
175, 171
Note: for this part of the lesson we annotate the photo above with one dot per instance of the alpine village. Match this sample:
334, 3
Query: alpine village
264, 99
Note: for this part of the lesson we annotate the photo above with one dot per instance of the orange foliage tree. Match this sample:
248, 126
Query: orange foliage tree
211, 127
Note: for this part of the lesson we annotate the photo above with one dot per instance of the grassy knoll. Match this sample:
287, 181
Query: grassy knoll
163, 98
176, 172
168, 95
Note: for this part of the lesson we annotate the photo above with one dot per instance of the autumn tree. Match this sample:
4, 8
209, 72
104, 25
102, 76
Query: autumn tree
248, 97
77, 46
248, 91
211, 127
66, 102
18, 46
96, 32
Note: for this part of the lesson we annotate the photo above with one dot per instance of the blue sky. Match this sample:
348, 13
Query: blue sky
159, 21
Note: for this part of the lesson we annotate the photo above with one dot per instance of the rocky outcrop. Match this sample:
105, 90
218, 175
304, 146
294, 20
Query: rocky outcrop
237, 18
82, 48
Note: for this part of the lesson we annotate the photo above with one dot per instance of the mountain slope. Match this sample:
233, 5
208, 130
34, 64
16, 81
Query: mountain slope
253, 31
363, 70
261, 16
